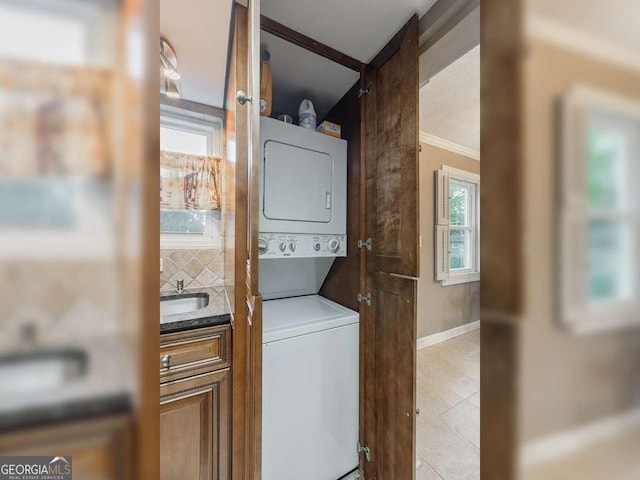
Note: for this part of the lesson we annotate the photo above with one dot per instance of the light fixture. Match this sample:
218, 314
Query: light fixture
168, 60
171, 88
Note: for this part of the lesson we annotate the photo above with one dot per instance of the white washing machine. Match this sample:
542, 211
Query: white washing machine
309, 389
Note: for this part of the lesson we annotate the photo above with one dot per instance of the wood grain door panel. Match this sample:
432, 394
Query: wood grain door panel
253, 384
235, 226
392, 317
391, 142
253, 388
194, 352
388, 324
194, 428
101, 448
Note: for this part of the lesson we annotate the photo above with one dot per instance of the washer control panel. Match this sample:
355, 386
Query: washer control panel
279, 245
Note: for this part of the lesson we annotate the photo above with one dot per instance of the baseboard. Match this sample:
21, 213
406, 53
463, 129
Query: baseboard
447, 334
571, 441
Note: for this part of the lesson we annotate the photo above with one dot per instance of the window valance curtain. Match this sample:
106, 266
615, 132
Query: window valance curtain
189, 182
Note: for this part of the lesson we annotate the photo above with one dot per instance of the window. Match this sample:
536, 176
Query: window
457, 229
59, 32
599, 221
194, 134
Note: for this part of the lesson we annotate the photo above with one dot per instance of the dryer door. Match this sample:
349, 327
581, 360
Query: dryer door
298, 183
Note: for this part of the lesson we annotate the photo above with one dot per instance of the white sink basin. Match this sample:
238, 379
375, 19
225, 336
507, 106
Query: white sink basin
183, 304
34, 372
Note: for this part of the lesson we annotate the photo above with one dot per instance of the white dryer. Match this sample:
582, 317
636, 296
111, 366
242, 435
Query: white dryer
303, 180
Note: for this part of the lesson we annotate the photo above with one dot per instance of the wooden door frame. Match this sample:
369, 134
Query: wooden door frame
236, 225
247, 298
147, 414
501, 203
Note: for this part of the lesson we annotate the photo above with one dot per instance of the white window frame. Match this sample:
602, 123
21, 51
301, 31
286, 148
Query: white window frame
576, 312
211, 127
443, 273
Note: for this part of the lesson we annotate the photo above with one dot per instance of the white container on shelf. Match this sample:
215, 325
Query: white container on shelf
307, 115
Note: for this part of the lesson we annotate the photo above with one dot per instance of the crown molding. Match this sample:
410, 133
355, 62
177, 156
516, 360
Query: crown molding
580, 41
450, 146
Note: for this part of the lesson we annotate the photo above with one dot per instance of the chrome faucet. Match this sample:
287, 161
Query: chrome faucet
180, 285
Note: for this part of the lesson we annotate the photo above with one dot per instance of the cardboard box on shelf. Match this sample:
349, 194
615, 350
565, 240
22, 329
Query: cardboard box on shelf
330, 128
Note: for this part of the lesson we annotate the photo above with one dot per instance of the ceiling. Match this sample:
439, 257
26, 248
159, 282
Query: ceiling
299, 74
450, 102
616, 21
199, 33
198, 30
358, 28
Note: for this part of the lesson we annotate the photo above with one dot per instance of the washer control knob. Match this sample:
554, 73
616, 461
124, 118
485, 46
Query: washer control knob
292, 246
334, 245
282, 246
316, 246
263, 245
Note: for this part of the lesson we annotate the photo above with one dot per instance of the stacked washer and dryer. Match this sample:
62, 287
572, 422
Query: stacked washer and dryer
310, 373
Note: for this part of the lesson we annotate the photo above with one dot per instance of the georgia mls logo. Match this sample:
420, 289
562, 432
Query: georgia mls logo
35, 468
59, 465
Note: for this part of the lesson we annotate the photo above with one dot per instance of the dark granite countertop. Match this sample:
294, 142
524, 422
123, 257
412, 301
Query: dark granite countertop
68, 411
215, 313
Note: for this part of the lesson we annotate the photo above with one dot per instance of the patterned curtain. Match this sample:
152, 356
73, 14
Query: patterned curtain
189, 182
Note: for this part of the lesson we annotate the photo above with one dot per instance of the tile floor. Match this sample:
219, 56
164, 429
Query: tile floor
448, 427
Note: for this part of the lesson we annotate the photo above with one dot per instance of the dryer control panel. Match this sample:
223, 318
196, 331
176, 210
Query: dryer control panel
280, 245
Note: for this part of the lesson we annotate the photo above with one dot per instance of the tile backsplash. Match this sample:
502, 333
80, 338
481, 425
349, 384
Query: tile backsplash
62, 300
198, 268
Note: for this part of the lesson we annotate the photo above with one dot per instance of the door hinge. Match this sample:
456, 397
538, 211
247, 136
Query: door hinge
366, 450
368, 243
364, 91
365, 298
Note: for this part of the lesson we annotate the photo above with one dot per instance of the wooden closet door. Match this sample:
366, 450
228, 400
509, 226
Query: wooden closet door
241, 240
388, 323
235, 238
253, 298
391, 141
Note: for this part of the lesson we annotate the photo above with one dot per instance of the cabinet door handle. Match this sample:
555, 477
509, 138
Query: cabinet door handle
165, 361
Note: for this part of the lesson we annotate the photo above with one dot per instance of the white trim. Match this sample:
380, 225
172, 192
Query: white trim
204, 119
594, 324
586, 96
450, 146
176, 244
471, 274
447, 334
565, 443
551, 31
458, 278
461, 174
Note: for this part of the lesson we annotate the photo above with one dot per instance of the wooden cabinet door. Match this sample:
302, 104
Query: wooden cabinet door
100, 449
389, 394
194, 428
388, 324
241, 243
